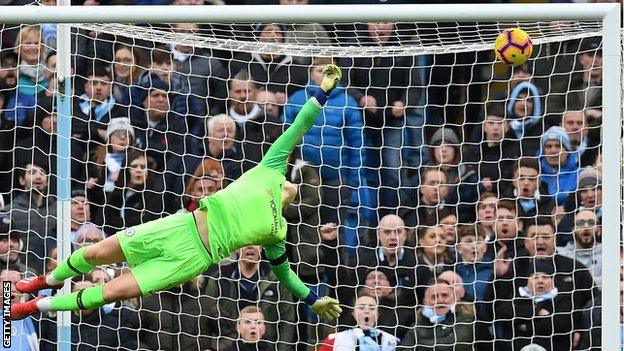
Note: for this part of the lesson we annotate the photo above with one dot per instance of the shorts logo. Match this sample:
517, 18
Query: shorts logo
129, 232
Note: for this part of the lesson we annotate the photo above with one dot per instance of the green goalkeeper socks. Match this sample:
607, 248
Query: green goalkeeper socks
74, 265
86, 299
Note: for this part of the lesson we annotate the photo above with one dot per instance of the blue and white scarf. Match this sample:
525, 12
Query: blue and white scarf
100, 110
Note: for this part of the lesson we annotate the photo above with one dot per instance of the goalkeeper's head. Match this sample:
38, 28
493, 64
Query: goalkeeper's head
289, 191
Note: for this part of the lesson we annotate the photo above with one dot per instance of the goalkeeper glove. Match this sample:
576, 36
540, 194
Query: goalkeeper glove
331, 77
327, 308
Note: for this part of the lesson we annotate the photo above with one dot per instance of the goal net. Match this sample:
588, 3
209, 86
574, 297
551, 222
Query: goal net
447, 200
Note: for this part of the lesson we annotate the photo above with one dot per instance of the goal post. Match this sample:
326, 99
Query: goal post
608, 14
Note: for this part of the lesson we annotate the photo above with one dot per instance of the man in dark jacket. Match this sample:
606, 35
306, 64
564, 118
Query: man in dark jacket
245, 282
99, 329
219, 144
33, 213
158, 131
275, 73
198, 80
176, 319
494, 151
571, 277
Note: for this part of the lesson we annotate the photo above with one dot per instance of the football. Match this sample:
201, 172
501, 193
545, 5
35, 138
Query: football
513, 46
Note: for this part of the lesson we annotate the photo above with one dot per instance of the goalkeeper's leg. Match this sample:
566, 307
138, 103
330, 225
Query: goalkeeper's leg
277, 156
81, 261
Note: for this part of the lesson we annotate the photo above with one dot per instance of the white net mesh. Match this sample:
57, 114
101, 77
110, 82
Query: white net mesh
429, 160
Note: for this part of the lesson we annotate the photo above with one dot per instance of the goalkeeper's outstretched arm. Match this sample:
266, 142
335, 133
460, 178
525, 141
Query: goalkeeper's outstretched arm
325, 307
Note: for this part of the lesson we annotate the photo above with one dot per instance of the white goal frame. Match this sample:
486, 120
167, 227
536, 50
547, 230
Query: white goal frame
609, 14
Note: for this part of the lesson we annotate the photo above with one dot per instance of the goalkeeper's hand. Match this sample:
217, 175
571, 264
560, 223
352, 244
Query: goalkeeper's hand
327, 308
331, 77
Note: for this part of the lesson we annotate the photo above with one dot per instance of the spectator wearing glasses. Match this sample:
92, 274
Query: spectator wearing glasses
88, 234
586, 248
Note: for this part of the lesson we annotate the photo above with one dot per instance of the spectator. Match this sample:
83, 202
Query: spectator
384, 88
126, 70
245, 282
486, 214
395, 311
17, 104
572, 278
585, 88
461, 178
97, 106
474, 271
273, 72
161, 68
495, 151
80, 212
559, 167
93, 329
33, 213
389, 252
524, 109
541, 313
157, 130
304, 33
23, 335
50, 75
198, 80
507, 241
586, 247
258, 134
433, 256
242, 106
52, 259
251, 329
219, 144
588, 196
433, 195
10, 248
365, 335
448, 221
88, 234
99, 276
31, 54
40, 142
528, 197
107, 161
8, 101
310, 246
440, 325
586, 146
138, 198
175, 319
206, 180
333, 144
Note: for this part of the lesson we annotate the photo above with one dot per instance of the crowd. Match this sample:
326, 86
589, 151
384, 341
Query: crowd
443, 212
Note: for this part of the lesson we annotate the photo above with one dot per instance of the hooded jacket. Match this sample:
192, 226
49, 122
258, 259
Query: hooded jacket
335, 140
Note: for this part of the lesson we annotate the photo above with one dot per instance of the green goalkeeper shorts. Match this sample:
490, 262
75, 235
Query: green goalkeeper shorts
164, 253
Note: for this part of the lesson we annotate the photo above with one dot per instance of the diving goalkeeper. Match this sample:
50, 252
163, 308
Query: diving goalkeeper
171, 250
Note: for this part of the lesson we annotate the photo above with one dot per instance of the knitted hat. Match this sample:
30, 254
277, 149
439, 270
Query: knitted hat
559, 134
446, 136
543, 266
119, 123
589, 181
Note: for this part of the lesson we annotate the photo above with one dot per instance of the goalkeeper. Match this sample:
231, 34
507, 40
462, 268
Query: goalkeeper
169, 251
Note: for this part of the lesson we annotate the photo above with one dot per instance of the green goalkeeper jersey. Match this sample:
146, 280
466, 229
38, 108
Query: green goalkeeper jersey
247, 212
